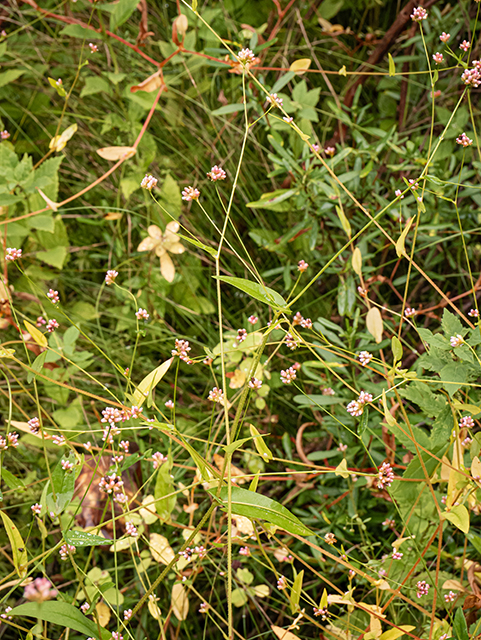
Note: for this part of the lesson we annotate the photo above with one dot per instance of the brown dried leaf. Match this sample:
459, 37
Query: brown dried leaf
116, 153
144, 32
283, 634
153, 82
236, 472
50, 203
113, 215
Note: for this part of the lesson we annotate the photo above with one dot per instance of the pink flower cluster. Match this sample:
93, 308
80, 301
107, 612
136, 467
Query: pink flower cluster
182, 349
385, 476
356, 407
464, 141
39, 590
365, 358
13, 254
275, 100
472, 77
291, 342
148, 182
302, 266
113, 485
216, 395
53, 295
288, 375
189, 193
241, 336
466, 422
216, 173
158, 459
419, 14
306, 323
422, 587
110, 276
66, 550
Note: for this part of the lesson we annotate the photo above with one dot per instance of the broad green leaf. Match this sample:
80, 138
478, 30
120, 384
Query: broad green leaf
374, 323
207, 472
228, 108
254, 505
84, 539
93, 85
392, 72
245, 576
63, 614
239, 597
10, 480
256, 291
400, 249
150, 381
459, 516
295, 594
397, 348
37, 335
77, 31
259, 443
19, 552
54, 257
9, 76
122, 12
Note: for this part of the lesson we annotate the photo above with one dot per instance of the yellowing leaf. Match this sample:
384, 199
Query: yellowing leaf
374, 324
392, 72
357, 261
476, 467
394, 633
150, 84
283, 634
459, 516
37, 335
150, 382
300, 66
113, 215
50, 203
341, 469
148, 511
180, 601
259, 444
387, 414
60, 142
181, 24
262, 591
235, 472
400, 250
470, 408
344, 221
103, 612
323, 603
343, 71
18, 546
153, 607
116, 153
453, 584
160, 548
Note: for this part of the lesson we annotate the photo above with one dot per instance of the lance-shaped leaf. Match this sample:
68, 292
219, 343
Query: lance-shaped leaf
18, 546
84, 539
254, 505
150, 382
257, 291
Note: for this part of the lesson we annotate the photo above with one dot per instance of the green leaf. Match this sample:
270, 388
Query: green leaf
63, 614
392, 66
164, 486
254, 505
53, 257
37, 335
77, 31
397, 349
228, 108
171, 196
122, 12
256, 291
275, 200
459, 516
344, 221
363, 422
150, 381
84, 539
259, 444
19, 552
11, 481
200, 245
312, 400
9, 76
460, 627
295, 594
93, 85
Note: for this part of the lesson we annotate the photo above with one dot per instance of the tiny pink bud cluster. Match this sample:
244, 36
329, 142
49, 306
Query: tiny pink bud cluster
36, 509
385, 476
288, 375
356, 407
330, 151
158, 459
216, 395
253, 320
148, 182
254, 383
422, 587
464, 141
291, 342
34, 425
142, 314
282, 583
474, 313
466, 422
419, 14
450, 596
444, 37
53, 295
13, 254
39, 590
189, 193
275, 100
241, 336
66, 550
110, 276
93, 47
131, 529
4, 135
246, 56
438, 57
52, 325
302, 266
216, 173
465, 44
323, 613
456, 341
58, 440
365, 358
409, 312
